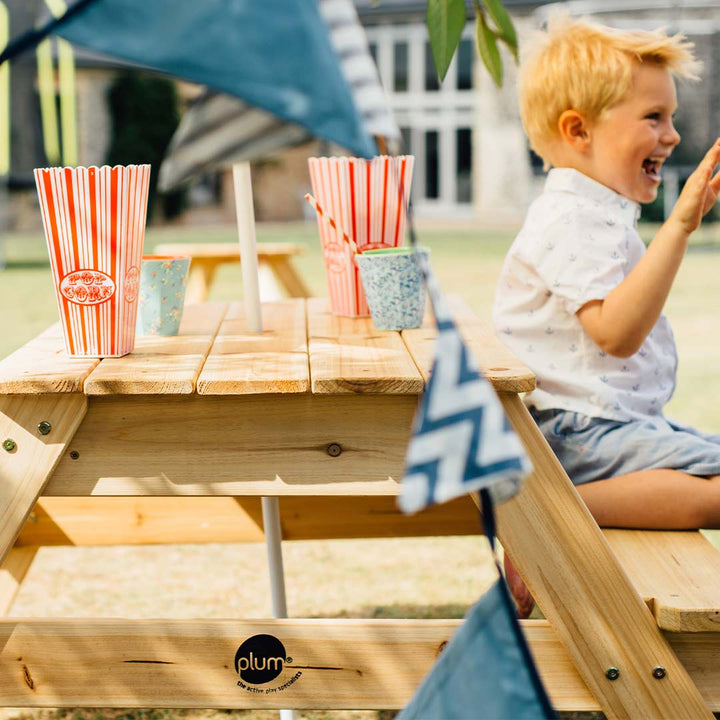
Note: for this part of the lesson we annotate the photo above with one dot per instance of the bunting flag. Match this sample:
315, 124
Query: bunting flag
487, 670
275, 54
219, 129
462, 440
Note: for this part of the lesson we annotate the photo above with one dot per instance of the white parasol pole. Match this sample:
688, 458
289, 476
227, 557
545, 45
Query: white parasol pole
251, 293
248, 248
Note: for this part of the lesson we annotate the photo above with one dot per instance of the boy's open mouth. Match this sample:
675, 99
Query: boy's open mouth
651, 167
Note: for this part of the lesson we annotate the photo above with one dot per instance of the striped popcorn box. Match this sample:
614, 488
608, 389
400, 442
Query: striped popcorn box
94, 221
368, 200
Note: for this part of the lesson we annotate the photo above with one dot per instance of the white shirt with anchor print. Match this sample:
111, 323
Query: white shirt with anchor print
578, 242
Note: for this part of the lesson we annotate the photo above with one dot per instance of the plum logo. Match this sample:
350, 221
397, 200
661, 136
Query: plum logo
87, 287
260, 659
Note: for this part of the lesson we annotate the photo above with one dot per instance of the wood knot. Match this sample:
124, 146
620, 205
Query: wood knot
28, 678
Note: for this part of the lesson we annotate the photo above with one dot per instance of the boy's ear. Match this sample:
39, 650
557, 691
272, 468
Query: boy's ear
574, 129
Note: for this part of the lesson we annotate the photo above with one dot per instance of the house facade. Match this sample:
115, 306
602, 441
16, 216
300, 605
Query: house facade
472, 161
471, 156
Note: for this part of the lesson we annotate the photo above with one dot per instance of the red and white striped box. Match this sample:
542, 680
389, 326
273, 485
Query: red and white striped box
94, 221
368, 200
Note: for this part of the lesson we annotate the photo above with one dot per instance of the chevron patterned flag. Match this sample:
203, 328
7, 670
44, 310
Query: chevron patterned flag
462, 440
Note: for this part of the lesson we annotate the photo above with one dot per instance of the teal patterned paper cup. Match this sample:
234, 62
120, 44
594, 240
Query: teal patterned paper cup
393, 287
163, 279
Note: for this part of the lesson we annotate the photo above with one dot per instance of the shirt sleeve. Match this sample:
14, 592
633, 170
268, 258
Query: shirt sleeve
580, 256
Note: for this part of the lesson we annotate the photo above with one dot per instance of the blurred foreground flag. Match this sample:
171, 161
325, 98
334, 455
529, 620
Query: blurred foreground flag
486, 671
276, 55
462, 440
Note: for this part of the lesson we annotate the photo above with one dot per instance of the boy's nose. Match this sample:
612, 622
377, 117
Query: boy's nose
671, 136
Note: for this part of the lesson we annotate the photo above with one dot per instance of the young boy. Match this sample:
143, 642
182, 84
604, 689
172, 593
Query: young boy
580, 300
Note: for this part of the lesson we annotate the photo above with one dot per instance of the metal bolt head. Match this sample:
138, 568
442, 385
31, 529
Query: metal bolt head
9, 445
44, 427
74, 454
659, 672
612, 673
333, 449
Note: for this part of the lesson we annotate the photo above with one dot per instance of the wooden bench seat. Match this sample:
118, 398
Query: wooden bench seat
676, 572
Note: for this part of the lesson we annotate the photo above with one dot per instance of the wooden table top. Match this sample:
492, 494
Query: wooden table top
304, 348
228, 250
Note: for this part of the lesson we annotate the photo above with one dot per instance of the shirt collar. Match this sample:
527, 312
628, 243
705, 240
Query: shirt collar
572, 181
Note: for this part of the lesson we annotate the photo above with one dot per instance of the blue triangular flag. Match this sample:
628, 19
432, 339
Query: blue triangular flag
486, 671
482, 672
462, 440
274, 54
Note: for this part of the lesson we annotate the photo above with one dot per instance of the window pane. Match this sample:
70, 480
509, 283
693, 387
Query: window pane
431, 78
464, 65
406, 148
400, 79
431, 164
463, 165
373, 51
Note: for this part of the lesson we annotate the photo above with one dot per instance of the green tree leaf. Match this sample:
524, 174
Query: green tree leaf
488, 49
504, 24
445, 20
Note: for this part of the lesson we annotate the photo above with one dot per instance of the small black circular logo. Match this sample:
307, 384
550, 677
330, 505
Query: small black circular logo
260, 659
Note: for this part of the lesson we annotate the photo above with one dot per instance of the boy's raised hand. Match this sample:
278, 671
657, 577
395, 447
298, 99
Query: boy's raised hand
699, 194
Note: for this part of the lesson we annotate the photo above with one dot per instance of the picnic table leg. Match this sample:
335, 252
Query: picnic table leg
34, 432
267, 283
288, 276
202, 271
273, 543
590, 602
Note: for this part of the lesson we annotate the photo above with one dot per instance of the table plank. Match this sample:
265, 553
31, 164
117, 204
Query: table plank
43, 366
93, 521
337, 663
274, 361
227, 250
348, 355
191, 663
161, 365
498, 364
262, 445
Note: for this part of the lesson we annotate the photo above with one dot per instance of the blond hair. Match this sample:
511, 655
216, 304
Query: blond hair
583, 66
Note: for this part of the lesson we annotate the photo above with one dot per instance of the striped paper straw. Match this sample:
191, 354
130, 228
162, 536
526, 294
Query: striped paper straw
94, 221
332, 222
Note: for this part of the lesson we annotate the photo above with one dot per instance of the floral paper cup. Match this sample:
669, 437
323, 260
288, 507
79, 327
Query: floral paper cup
94, 222
162, 294
394, 287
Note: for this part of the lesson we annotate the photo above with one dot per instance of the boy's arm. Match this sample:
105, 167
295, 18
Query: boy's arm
620, 323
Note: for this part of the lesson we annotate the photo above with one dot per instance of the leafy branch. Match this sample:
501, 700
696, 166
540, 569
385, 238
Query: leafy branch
445, 21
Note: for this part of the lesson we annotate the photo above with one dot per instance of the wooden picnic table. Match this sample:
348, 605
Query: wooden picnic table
315, 407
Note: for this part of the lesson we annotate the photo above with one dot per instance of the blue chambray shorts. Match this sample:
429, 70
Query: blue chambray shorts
591, 448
